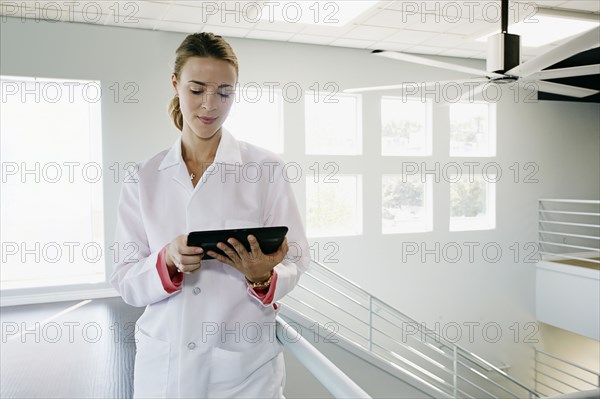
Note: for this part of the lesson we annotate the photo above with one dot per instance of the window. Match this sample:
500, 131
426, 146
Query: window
334, 208
406, 204
405, 126
333, 123
472, 130
52, 211
472, 202
257, 117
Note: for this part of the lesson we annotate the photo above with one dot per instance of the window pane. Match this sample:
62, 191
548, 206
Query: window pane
333, 123
52, 213
406, 204
257, 117
406, 126
334, 208
472, 203
472, 129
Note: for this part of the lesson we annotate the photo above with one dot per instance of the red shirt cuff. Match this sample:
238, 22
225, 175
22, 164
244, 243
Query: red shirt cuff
266, 294
161, 266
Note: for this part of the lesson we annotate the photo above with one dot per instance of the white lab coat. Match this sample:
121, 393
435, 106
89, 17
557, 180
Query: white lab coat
212, 338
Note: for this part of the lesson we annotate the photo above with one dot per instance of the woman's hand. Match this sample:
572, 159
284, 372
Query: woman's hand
255, 265
180, 257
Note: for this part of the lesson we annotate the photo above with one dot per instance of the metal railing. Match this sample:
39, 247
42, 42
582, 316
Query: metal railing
569, 229
332, 378
337, 305
554, 375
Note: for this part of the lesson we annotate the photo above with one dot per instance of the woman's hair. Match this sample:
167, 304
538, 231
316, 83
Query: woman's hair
204, 44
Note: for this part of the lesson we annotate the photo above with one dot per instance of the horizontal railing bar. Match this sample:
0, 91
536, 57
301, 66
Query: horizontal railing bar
566, 361
478, 387
502, 373
559, 381
425, 342
415, 351
352, 283
429, 345
396, 365
421, 328
570, 201
327, 317
464, 393
547, 386
568, 257
333, 304
570, 246
569, 235
476, 360
489, 379
414, 366
336, 290
564, 372
569, 212
570, 224
336, 382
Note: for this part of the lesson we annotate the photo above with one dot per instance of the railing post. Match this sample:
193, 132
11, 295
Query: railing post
535, 382
455, 374
370, 335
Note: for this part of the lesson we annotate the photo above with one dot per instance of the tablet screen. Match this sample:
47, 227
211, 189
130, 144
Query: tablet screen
269, 238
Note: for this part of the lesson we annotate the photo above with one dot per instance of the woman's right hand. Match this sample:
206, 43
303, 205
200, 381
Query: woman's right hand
180, 257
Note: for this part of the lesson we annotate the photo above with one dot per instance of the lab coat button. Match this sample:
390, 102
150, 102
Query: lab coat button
197, 290
191, 346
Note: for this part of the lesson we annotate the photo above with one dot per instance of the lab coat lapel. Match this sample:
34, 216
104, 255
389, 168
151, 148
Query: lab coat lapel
174, 160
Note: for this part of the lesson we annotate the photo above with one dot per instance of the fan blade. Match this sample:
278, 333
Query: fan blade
565, 72
433, 63
564, 90
410, 86
581, 43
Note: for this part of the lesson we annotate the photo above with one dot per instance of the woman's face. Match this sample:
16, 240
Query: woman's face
206, 93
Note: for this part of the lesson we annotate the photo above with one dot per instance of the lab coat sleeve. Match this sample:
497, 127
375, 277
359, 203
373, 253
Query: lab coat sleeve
281, 210
134, 274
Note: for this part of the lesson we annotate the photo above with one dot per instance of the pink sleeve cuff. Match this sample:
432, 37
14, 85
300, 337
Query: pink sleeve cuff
161, 266
266, 296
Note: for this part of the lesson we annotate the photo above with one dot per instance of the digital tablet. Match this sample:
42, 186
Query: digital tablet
269, 238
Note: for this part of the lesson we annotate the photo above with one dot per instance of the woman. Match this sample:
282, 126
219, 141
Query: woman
209, 325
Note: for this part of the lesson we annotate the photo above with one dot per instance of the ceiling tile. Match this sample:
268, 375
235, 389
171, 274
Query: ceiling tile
580, 5
445, 40
138, 23
224, 30
278, 26
411, 36
369, 33
187, 14
178, 27
434, 26
327, 30
150, 10
387, 19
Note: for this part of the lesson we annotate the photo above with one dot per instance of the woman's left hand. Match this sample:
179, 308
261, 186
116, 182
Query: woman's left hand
253, 264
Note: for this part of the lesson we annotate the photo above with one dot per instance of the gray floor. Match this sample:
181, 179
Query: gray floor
85, 353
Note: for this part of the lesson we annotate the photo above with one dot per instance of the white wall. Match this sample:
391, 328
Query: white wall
561, 138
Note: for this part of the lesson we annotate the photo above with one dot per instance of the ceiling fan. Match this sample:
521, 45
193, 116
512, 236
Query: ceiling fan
504, 64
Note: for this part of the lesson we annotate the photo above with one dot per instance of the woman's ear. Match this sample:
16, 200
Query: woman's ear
174, 82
